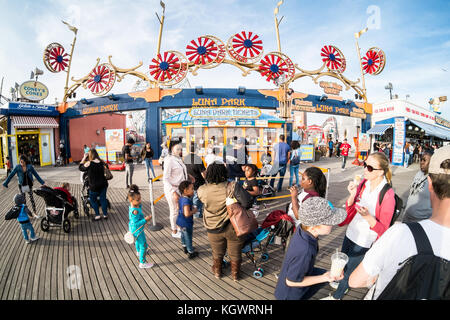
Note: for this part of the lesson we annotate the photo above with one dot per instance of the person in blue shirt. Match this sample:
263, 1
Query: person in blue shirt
299, 279
330, 147
185, 220
280, 160
136, 225
24, 220
25, 172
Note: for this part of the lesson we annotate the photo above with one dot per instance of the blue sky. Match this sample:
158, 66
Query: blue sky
415, 36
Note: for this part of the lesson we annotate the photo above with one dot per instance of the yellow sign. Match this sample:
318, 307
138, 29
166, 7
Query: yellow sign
98, 109
33, 90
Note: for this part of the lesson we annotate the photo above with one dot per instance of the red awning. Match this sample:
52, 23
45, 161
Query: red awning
34, 122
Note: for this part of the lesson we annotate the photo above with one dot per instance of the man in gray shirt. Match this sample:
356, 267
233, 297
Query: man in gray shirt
418, 206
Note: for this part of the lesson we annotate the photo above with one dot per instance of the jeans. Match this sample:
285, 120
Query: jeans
406, 163
294, 171
149, 165
186, 239
129, 169
25, 227
282, 170
94, 204
196, 202
355, 255
344, 161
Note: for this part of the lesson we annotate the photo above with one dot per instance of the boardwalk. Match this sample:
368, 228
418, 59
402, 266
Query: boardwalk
93, 262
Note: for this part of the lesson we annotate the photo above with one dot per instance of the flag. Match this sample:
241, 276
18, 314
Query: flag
358, 34
278, 5
72, 28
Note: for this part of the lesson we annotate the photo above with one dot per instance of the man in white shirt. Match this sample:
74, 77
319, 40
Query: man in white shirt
397, 244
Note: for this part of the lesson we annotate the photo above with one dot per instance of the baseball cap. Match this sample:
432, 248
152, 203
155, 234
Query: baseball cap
316, 211
439, 156
19, 199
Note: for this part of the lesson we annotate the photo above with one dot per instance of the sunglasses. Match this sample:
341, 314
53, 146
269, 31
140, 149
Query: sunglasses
369, 167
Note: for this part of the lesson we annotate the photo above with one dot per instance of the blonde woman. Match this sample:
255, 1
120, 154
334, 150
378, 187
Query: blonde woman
174, 173
367, 218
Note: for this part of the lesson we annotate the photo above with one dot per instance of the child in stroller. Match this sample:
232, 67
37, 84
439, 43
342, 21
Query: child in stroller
86, 203
72, 203
55, 209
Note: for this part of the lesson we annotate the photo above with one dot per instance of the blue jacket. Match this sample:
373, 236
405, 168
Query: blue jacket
21, 176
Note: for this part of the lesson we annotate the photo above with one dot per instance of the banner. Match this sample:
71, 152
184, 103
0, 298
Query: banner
399, 141
364, 142
101, 152
114, 140
307, 152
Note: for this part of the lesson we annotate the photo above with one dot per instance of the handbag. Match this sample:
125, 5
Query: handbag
129, 236
243, 221
25, 188
108, 174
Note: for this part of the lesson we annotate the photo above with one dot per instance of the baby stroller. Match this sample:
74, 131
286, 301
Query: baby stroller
57, 209
276, 228
265, 172
86, 202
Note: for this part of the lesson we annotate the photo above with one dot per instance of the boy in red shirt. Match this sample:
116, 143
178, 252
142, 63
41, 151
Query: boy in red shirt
345, 147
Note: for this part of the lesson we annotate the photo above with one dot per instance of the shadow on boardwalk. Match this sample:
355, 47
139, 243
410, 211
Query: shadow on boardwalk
93, 261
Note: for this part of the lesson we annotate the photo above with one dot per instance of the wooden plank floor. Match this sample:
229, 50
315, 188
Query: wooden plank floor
93, 262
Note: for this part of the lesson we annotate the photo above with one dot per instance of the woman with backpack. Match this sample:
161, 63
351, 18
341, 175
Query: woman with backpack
294, 162
98, 185
369, 215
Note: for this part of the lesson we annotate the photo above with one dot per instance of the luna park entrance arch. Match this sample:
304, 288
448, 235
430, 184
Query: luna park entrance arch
243, 50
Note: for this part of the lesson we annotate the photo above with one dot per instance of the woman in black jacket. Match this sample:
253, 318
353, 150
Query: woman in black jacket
98, 184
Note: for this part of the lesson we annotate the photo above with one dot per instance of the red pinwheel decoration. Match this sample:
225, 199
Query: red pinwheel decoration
55, 58
101, 79
165, 67
275, 64
202, 51
245, 47
374, 60
333, 58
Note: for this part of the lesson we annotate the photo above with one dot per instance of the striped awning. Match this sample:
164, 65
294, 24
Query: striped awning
34, 122
379, 128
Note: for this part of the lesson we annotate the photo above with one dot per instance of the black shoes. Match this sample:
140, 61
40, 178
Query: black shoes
192, 255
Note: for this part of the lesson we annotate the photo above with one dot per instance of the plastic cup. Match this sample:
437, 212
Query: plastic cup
338, 262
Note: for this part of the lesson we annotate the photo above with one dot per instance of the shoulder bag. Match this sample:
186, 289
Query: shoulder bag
108, 174
243, 221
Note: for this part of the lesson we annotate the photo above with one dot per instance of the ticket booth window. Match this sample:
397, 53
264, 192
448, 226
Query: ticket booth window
234, 132
198, 139
270, 136
252, 136
216, 138
180, 132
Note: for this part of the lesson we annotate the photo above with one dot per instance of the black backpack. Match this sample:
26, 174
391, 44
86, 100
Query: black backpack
398, 202
423, 276
13, 213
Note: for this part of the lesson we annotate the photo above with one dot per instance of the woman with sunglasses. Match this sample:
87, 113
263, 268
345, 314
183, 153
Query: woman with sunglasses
367, 218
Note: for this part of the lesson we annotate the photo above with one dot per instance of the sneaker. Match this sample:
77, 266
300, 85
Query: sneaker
330, 297
192, 255
34, 239
334, 284
176, 235
145, 265
96, 218
27, 241
185, 250
105, 217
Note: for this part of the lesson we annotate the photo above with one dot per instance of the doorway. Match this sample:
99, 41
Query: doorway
28, 145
